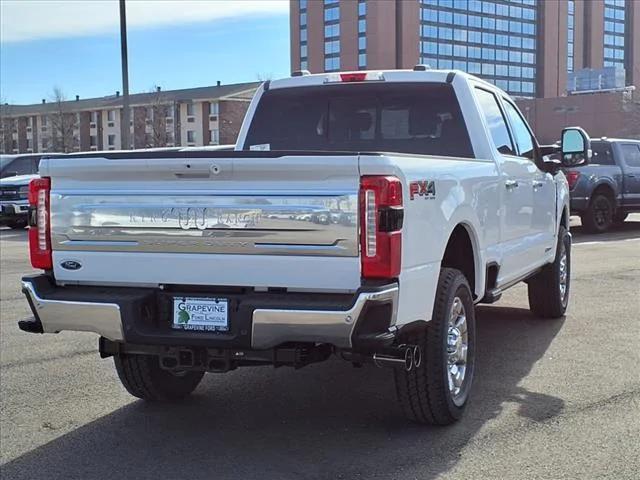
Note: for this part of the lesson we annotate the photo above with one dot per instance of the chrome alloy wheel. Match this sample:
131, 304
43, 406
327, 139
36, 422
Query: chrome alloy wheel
457, 347
563, 273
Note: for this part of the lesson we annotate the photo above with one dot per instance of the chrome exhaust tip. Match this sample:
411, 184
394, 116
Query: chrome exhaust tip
417, 356
408, 359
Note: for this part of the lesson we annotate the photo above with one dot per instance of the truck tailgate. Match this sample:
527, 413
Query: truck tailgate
259, 221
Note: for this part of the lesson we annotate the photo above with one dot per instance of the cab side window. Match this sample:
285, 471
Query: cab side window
631, 155
495, 121
523, 137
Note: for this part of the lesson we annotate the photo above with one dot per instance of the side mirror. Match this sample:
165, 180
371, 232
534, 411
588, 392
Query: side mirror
575, 147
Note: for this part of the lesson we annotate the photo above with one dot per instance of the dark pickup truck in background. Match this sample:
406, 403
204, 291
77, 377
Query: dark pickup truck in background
16, 171
604, 192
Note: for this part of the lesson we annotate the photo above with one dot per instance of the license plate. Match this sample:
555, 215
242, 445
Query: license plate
204, 314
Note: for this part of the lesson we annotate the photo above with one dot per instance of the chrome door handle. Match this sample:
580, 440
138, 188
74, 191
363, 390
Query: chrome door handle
538, 184
511, 184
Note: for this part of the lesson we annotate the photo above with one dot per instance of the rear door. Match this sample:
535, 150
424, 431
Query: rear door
631, 174
255, 221
543, 224
516, 201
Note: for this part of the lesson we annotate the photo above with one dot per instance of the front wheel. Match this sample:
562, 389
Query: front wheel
437, 391
549, 289
17, 224
143, 377
599, 216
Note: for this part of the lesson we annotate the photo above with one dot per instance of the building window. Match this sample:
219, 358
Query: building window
213, 137
614, 33
43, 120
45, 144
93, 140
331, 14
303, 35
191, 136
455, 31
362, 34
331, 36
93, 117
362, 8
213, 109
570, 34
190, 109
111, 115
331, 64
111, 140
332, 30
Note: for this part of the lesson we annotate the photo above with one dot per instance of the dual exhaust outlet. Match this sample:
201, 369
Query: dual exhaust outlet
404, 356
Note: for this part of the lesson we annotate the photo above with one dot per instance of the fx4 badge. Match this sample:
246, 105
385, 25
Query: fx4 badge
422, 188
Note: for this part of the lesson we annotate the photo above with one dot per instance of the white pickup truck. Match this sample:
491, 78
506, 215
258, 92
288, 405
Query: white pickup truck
361, 214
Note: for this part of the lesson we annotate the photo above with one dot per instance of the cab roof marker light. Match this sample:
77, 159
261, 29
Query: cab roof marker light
350, 77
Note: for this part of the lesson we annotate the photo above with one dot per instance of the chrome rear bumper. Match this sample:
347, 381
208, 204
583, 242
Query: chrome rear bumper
55, 310
57, 315
273, 327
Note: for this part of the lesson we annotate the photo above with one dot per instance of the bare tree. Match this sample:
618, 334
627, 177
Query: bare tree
151, 120
63, 123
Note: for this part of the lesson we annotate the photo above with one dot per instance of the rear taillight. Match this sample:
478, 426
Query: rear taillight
572, 178
39, 221
381, 217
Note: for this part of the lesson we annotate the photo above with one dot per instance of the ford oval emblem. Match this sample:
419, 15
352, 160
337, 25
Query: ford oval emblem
71, 265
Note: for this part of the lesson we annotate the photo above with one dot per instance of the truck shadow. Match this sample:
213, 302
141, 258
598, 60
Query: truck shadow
326, 421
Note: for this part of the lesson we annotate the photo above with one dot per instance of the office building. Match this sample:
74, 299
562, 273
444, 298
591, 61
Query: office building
526, 47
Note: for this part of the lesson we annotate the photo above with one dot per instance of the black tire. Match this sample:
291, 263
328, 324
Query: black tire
424, 392
546, 299
143, 377
598, 218
620, 217
17, 224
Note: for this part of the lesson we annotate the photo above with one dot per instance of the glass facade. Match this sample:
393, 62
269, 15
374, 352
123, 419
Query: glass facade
493, 39
571, 18
331, 35
362, 34
614, 33
304, 58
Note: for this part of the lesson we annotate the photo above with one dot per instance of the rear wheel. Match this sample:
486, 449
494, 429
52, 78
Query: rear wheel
549, 289
143, 377
436, 392
599, 216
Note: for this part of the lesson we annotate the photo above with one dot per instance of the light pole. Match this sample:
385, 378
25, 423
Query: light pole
125, 127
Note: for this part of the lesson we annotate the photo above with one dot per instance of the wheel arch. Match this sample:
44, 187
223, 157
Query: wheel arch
604, 187
462, 252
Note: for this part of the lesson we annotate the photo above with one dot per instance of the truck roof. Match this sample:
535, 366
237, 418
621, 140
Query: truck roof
420, 73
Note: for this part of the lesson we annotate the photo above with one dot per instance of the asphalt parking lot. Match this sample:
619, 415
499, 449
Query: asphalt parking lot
551, 399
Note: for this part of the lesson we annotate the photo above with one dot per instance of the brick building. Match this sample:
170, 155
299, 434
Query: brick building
188, 117
526, 47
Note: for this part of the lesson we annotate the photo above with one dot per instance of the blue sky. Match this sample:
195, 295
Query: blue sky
176, 47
